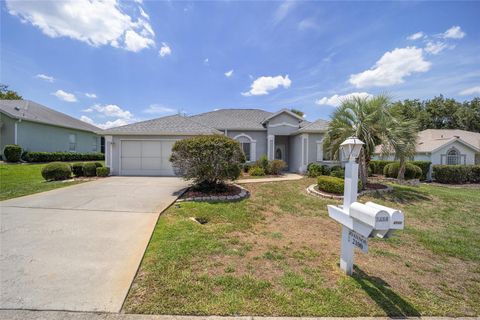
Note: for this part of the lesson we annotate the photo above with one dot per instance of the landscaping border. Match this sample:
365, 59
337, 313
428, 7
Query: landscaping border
244, 193
311, 191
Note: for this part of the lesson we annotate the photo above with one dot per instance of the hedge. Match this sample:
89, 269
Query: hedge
103, 171
333, 184
377, 166
89, 169
12, 152
411, 171
56, 171
424, 166
33, 156
456, 173
77, 169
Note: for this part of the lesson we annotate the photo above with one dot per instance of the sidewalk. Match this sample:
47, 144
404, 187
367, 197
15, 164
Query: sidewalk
285, 177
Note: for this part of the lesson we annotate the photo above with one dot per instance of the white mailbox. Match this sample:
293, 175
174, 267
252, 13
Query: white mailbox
376, 218
396, 216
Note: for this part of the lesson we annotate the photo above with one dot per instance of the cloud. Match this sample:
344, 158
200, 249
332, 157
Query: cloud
416, 36
159, 109
165, 50
91, 95
97, 23
229, 73
110, 110
206, 61
435, 47
306, 24
283, 10
471, 91
65, 96
106, 125
262, 85
337, 100
392, 68
45, 77
454, 32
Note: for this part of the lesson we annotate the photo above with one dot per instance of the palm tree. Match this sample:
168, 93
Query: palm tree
364, 118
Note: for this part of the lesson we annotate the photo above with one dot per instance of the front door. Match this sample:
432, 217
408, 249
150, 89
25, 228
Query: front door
280, 152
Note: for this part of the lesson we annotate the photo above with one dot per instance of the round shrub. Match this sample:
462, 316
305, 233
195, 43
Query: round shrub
338, 173
326, 170
103, 171
333, 184
12, 152
314, 170
98, 165
411, 171
89, 169
56, 171
277, 166
256, 171
77, 169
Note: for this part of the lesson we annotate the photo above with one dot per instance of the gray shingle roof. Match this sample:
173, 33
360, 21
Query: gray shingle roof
32, 111
231, 119
317, 126
170, 125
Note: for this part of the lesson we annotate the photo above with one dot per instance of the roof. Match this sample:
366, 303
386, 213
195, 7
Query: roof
170, 125
280, 112
233, 119
32, 111
317, 126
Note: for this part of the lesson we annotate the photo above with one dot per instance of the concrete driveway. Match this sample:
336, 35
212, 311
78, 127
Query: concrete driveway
78, 248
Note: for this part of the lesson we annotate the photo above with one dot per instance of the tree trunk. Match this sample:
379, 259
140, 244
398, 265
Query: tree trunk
362, 169
401, 170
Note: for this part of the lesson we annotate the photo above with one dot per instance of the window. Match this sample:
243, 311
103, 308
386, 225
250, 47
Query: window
94, 144
453, 157
246, 150
72, 139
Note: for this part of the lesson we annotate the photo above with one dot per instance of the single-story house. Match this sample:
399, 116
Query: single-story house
144, 148
35, 127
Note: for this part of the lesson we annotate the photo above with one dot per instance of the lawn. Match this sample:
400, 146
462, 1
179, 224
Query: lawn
18, 180
277, 254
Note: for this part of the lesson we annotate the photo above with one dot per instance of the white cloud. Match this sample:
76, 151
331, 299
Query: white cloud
65, 96
143, 13
206, 61
262, 85
392, 68
306, 24
110, 110
97, 23
90, 95
435, 47
283, 10
229, 73
416, 36
106, 125
337, 100
471, 91
159, 109
454, 32
45, 77
165, 50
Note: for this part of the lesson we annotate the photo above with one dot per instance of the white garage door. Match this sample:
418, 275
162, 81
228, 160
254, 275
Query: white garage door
146, 157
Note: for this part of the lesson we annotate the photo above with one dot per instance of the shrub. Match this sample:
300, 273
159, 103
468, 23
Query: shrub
103, 171
314, 170
12, 152
256, 171
411, 171
62, 156
276, 167
246, 167
98, 164
338, 172
89, 169
452, 173
263, 163
333, 184
377, 166
474, 174
207, 160
326, 170
56, 171
424, 166
77, 169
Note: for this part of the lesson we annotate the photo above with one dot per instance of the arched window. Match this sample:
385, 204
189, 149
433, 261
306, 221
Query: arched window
247, 144
453, 156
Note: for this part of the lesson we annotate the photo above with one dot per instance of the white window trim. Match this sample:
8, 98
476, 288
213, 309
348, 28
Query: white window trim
270, 146
304, 165
283, 124
253, 146
319, 150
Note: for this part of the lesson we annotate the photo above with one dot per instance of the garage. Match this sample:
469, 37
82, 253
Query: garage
146, 157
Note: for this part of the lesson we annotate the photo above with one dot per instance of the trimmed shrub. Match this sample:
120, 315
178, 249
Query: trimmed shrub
314, 170
98, 164
474, 174
103, 171
333, 184
326, 170
56, 171
62, 156
377, 166
452, 173
12, 153
411, 171
424, 166
276, 167
338, 173
256, 171
77, 169
89, 169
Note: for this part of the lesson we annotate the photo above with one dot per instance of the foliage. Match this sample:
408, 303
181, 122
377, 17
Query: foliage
77, 169
333, 184
474, 176
6, 94
246, 167
103, 171
424, 165
32, 156
338, 172
207, 160
263, 163
89, 169
12, 152
56, 171
98, 164
411, 171
276, 167
377, 166
455, 173
314, 170
256, 171
298, 112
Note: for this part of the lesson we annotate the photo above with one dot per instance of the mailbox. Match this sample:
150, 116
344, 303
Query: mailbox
396, 216
376, 218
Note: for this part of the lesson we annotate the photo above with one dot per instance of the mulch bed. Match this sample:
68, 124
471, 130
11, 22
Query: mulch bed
231, 190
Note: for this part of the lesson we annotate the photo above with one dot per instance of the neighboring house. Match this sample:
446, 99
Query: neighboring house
144, 148
37, 128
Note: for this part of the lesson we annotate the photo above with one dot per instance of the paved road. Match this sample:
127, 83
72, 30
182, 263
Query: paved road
78, 248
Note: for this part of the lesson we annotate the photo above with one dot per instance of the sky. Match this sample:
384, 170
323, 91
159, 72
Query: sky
113, 62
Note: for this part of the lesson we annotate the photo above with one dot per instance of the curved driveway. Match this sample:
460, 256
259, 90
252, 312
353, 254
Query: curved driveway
78, 248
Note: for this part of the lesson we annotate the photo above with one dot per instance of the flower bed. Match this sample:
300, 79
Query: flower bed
371, 188
233, 192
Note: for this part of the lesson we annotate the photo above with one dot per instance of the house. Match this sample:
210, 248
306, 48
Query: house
144, 148
37, 128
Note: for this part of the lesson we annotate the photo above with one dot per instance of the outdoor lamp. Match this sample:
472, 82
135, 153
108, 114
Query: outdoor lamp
351, 148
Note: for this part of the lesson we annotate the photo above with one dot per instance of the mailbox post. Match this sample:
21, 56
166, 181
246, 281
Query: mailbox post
359, 221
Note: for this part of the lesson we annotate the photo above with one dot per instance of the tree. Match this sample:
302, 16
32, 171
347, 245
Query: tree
298, 112
6, 94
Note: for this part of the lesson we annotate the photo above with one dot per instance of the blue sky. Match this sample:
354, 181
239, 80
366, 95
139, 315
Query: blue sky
144, 59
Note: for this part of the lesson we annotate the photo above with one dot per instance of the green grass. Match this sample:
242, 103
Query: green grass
277, 254
18, 180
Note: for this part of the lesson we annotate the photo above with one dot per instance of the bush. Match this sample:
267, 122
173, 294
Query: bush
103, 171
276, 167
77, 169
263, 163
326, 170
333, 184
338, 173
424, 166
98, 164
56, 171
256, 171
452, 173
474, 174
246, 167
12, 153
89, 169
411, 171
62, 156
314, 170
207, 160
377, 166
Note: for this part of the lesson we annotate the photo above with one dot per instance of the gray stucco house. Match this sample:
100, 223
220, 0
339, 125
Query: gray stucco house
144, 148
37, 128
